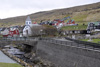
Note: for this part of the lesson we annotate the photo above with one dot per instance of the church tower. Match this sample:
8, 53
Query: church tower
28, 21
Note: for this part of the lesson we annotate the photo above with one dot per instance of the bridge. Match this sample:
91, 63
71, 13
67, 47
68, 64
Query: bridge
61, 52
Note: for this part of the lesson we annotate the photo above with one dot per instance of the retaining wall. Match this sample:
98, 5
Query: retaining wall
67, 55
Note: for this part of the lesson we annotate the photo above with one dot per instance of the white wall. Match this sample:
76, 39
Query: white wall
5, 32
25, 33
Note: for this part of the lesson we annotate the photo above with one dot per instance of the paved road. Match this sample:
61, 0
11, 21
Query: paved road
5, 59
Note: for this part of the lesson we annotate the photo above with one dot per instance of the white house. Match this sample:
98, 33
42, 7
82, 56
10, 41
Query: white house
5, 32
31, 29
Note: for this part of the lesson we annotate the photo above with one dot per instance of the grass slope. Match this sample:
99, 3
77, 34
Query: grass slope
9, 65
78, 27
93, 40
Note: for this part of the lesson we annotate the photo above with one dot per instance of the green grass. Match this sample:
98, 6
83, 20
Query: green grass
8, 24
93, 40
81, 23
9, 65
79, 17
79, 27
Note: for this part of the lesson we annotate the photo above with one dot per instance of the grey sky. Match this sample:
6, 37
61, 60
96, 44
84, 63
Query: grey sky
11, 8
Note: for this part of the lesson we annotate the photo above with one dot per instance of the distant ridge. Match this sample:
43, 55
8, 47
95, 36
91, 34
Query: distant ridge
83, 13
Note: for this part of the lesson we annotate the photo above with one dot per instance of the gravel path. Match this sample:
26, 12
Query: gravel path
5, 59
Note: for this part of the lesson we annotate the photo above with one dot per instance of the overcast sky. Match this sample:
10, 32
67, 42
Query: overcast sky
12, 8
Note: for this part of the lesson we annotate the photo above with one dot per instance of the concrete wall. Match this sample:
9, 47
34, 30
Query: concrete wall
68, 56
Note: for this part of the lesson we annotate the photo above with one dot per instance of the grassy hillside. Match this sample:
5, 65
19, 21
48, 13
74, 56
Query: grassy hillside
80, 14
93, 40
9, 65
79, 27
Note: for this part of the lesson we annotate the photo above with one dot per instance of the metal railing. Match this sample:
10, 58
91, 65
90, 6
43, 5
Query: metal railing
18, 38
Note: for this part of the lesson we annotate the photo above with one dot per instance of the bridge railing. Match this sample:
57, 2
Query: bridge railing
71, 42
94, 45
51, 40
18, 38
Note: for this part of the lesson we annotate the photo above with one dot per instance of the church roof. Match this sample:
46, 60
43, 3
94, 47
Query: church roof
28, 19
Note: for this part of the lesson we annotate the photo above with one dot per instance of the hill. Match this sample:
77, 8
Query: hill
84, 13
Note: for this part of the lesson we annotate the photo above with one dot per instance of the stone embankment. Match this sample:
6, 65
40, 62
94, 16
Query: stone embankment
16, 59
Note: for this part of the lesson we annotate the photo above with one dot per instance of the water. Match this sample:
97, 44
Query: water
5, 59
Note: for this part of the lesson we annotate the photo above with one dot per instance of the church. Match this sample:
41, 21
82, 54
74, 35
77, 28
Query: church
31, 29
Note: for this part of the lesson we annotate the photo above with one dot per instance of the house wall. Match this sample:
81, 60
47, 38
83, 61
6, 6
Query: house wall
5, 32
27, 31
73, 32
76, 31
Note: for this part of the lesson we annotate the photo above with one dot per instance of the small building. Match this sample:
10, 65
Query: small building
93, 26
14, 32
32, 30
5, 32
70, 22
20, 28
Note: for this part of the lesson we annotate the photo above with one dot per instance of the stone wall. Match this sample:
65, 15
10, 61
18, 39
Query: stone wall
67, 55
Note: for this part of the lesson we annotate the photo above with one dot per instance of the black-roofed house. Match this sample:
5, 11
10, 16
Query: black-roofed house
93, 26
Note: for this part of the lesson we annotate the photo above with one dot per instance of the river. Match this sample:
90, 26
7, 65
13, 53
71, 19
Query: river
5, 59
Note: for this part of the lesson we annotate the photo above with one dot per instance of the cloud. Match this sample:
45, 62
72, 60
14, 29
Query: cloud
10, 8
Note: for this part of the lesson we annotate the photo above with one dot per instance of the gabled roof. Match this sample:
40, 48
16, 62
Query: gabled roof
3, 29
36, 29
96, 23
28, 19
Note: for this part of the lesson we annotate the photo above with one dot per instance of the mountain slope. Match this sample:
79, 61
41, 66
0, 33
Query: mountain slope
85, 13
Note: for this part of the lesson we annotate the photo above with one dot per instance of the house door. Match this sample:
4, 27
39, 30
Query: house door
26, 32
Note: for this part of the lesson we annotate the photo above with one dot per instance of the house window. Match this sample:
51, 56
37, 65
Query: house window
71, 32
75, 31
67, 32
26, 27
99, 24
78, 31
26, 23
